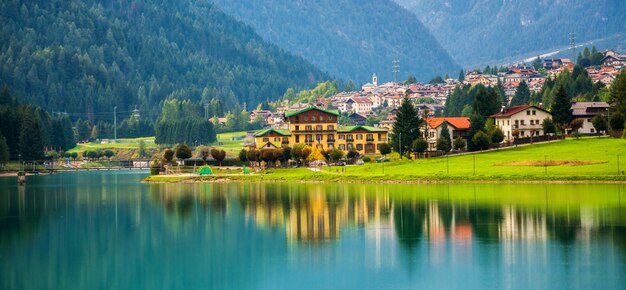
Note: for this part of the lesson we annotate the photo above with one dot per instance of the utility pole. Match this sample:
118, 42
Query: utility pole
115, 123
572, 45
396, 69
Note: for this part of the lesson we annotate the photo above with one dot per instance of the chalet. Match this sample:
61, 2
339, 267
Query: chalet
521, 121
357, 119
586, 111
614, 60
457, 127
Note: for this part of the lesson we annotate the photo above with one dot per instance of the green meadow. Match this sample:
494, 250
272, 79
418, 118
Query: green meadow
584, 159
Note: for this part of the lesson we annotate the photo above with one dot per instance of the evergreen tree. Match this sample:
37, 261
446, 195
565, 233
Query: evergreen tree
4, 150
406, 127
462, 76
561, 109
486, 102
522, 95
617, 98
477, 124
30, 144
444, 143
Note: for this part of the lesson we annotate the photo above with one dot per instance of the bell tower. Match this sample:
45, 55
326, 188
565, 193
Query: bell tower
375, 80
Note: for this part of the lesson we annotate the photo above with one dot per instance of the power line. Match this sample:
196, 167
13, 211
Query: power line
396, 69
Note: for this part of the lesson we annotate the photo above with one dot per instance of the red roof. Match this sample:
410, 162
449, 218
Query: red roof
508, 112
456, 122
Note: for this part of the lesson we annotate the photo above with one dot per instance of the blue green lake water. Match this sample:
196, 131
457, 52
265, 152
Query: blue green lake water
107, 230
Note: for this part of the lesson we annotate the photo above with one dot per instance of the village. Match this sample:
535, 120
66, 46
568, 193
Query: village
343, 119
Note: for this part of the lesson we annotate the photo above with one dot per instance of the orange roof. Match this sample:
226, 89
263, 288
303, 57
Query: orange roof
456, 122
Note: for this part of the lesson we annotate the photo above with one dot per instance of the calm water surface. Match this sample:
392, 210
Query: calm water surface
106, 230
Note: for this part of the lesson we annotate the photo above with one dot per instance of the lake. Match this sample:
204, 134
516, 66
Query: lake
107, 230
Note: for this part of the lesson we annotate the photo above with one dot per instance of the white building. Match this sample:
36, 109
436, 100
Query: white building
586, 111
524, 120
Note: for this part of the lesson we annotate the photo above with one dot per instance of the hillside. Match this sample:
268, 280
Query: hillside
349, 38
486, 31
87, 56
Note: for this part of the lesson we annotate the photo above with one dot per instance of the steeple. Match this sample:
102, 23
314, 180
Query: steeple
375, 80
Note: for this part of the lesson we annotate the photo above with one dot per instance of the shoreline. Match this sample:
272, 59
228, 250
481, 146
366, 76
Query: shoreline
360, 180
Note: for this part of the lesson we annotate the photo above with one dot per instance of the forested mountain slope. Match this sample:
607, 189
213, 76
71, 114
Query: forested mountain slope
91, 55
349, 38
484, 31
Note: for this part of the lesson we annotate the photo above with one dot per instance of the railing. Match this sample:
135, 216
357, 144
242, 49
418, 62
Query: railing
369, 139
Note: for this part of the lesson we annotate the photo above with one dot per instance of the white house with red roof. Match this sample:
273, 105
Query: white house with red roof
525, 121
457, 127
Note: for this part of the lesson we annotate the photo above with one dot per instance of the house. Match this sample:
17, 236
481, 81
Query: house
457, 127
361, 105
318, 127
521, 121
586, 111
357, 119
614, 60
265, 114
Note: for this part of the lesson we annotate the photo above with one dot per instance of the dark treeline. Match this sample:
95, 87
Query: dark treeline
28, 130
88, 56
183, 122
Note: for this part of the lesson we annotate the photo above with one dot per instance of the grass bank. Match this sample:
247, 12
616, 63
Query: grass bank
586, 159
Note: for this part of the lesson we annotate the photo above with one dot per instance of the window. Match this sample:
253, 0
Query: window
527, 113
534, 112
331, 146
532, 122
297, 128
297, 138
342, 147
266, 139
308, 138
319, 128
592, 130
331, 137
508, 122
431, 134
308, 128
359, 136
589, 120
330, 118
318, 137
321, 118
330, 127
276, 139
350, 147
297, 119
369, 137
285, 140
313, 118
342, 137
306, 119
359, 147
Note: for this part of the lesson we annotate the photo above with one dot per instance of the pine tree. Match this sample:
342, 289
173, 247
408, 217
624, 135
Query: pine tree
4, 150
477, 124
444, 143
561, 109
406, 127
30, 144
486, 102
618, 94
522, 95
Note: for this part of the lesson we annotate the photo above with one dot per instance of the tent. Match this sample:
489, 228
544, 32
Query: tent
205, 170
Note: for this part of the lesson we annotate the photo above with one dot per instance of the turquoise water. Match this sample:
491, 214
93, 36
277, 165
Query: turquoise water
107, 230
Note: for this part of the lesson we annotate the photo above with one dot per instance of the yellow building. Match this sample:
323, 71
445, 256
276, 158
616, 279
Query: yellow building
317, 127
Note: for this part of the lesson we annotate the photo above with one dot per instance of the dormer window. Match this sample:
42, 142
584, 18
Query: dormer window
313, 118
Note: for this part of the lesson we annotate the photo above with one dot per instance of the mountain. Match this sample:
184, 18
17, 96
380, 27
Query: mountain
351, 39
88, 56
487, 31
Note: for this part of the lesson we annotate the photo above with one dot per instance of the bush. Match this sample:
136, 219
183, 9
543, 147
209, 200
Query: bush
459, 143
367, 159
481, 140
183, 152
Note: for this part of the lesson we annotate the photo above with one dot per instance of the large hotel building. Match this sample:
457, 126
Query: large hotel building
317, 127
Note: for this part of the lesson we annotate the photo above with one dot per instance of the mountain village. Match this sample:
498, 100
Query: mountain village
376, 98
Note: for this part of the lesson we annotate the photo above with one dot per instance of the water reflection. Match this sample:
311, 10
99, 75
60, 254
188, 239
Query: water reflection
84, 231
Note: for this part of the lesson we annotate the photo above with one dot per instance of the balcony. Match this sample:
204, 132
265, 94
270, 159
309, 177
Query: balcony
369, 139
331, 141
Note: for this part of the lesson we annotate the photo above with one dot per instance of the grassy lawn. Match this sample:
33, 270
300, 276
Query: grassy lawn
232, 147
571, 159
